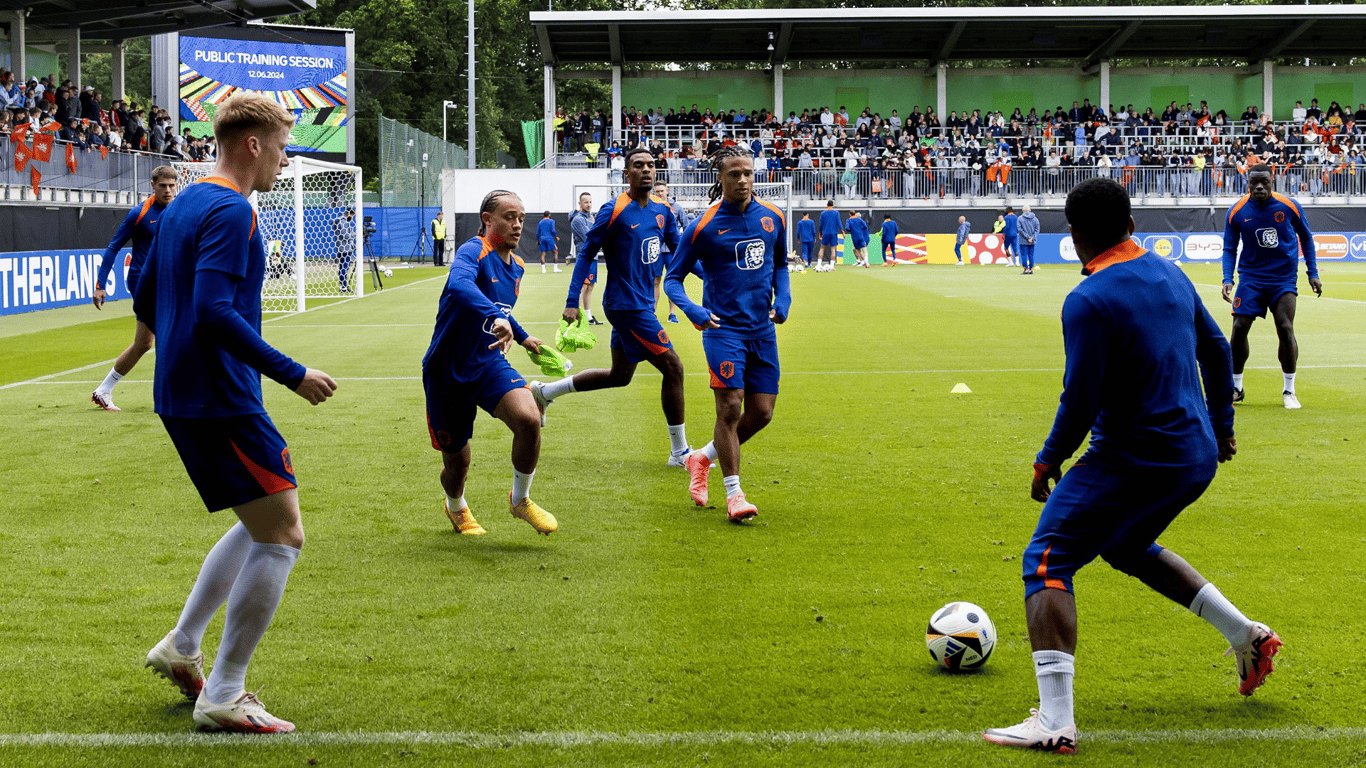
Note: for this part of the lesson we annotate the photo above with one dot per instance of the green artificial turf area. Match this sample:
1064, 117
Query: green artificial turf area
647, 631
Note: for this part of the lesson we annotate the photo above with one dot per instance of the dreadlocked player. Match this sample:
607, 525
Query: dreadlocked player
740, 243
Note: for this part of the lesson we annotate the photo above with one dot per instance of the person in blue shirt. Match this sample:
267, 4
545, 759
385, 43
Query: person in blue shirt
857, 226
1149, 376
806, 235
889, 233
140, 226
465, 367
632, 231
580, 221
741, 244
200, 293
964, 227
682, 219
548, 240
1010, 237
1028, 234
831, 229
1272, 232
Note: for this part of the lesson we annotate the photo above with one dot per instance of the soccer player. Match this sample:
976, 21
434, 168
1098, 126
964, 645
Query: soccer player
548, 240
889, 233
682, 220
1273, 232
579, 223
344, 232
857, 226
1139, 345
964, 227
831, 229
140, 225
1010, 235
740, 242
806, 235
631, 231
465, 368
201, 294
1028, 234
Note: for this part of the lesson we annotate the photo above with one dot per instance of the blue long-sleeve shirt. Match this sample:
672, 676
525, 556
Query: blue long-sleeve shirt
830, 222
857, 226
1012, 227
1029, 226
480, 289
744, 257
1273, 235
632, 238
889, 232
806, 231
140, 225
1140, 344
963, 230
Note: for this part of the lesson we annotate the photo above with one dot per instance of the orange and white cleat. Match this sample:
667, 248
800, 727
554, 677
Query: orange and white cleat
738, 508
1254, 657
187, 672
464, 522
1032, 735
245, 715
698, 467
104, 400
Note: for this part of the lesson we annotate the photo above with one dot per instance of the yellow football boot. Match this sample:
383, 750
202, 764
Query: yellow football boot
527, 510
464, 522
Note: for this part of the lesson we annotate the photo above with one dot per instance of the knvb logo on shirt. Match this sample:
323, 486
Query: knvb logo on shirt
749, 254
507, 312
649, 250
1267, 237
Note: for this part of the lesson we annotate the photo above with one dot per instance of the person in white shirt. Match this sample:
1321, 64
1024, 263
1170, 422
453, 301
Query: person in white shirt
827, 117
1298, 113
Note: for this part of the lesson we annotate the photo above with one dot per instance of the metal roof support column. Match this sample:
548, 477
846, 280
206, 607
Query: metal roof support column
117, 73
1105, 88
941, 90
618, 130
778, 90
1268, 106
18, 43
73, 58
549, 138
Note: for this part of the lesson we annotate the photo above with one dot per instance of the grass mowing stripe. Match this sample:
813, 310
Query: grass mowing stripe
479, 740
1329, 298
41, 379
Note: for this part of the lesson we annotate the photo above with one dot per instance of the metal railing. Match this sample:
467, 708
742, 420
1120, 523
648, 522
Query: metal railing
117, 173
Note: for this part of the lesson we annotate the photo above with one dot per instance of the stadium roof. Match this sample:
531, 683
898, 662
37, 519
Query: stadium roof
121, 19
1083, 34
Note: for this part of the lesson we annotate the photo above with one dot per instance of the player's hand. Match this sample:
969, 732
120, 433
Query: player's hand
1228, 292
533, 345
715, 322
775, 317
571, 315
100, 294
316, 386
1228, 447
1316, 285
1039, 490
502, 330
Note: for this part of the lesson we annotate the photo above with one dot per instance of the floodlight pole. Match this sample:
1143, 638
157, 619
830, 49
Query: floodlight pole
469, 153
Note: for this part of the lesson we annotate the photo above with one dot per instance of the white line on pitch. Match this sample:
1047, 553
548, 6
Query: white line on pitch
44, 379
484, 740
1329, 298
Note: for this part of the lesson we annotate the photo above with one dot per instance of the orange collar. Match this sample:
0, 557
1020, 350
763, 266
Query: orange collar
222, 182
1125, 251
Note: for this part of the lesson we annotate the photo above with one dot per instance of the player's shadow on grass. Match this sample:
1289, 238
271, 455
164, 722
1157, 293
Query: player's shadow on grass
482, 549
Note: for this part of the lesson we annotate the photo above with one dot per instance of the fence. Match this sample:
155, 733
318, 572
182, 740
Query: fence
115, 174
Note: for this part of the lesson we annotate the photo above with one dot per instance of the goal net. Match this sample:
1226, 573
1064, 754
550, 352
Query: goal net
692, 196
311, 225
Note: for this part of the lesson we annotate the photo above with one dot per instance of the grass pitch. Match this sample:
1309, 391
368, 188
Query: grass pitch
648, 631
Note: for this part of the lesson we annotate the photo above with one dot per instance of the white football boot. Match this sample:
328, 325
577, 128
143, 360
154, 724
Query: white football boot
187, 672
1032, 735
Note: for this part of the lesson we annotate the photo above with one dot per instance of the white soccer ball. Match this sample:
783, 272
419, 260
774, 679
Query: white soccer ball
388, 273
960, 636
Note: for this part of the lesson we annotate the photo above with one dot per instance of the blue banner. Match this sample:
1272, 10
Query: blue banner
256, 65
34, 280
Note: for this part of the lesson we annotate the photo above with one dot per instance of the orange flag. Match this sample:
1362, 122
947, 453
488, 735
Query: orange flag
71, 157
21, 156
42, 147
20, 133
35, 177
52, 127
104, 151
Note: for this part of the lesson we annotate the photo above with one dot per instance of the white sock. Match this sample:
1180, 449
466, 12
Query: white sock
1210, 605
107, 386
543, 269
1237, 381
1289, 382
211, 588
521, 485
732, 485
455, 505
709, 450
678, 438
255, 596
1054, 671
556, 388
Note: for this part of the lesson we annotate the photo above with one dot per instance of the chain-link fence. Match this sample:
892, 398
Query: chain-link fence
403, 180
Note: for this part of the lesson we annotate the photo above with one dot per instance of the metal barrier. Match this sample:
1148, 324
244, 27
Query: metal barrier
118, 177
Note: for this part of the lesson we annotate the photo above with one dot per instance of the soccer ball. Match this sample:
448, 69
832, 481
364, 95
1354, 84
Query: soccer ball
960, 636
388, 272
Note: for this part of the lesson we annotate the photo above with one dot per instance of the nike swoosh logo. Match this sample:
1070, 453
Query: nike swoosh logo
722, 232
633, 226
495, 279
153, 221
514, 381
1246, 220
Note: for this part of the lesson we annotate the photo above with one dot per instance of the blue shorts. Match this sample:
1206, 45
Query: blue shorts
232, 460
748, 364
637, 333
1099, 511
830, 239
658, 267
1256, 298
592, 278
547, 245
859, 244
807, 247
1010, 243
451, 405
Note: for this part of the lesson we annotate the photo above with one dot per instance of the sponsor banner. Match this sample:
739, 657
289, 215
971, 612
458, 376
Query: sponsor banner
1331, 246
34, 280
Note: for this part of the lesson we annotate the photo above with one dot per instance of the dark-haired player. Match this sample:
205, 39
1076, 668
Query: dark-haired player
806, 236
1139, 345
1273, 234
200, 292
831, 228
889, 233
465, 368
741, 244
140, 225
547, 239
631, 231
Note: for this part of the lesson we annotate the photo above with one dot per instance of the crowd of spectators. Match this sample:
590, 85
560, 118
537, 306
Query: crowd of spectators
1185, 150
79, 117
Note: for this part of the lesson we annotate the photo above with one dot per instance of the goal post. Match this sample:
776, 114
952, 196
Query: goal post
314, 249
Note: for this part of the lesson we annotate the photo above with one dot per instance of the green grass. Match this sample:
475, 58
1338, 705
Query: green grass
881, 497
